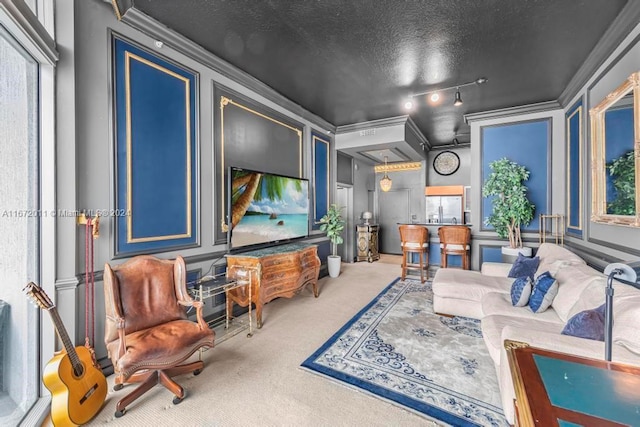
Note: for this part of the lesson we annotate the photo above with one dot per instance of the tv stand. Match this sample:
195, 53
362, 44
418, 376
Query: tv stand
277, 271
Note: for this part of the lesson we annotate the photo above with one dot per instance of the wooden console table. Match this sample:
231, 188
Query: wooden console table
367, 242
558, 389
278, 271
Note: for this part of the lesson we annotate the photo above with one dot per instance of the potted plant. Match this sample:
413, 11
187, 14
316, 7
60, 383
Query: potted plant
511, 207
333, 225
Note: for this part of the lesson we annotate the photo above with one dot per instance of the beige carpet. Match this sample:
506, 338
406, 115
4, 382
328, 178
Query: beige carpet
258, 381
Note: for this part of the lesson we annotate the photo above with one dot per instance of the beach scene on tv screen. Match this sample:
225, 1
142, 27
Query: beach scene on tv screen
267, 208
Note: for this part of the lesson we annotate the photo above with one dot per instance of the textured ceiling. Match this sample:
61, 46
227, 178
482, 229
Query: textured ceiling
350, 61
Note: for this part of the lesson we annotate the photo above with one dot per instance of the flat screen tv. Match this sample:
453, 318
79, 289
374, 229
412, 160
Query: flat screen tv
265, 208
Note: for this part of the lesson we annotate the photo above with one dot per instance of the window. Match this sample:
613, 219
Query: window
19, 229
27, 188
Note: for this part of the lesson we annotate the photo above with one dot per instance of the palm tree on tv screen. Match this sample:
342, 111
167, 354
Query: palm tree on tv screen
250, 186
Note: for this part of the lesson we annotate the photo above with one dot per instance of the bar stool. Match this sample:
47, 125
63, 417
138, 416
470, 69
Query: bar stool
414, 239
455, 240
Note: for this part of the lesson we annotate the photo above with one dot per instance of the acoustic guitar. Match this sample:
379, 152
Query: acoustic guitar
77, 385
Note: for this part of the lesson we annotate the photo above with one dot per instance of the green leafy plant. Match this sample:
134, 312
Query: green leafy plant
622, 171
511, 207
333, 225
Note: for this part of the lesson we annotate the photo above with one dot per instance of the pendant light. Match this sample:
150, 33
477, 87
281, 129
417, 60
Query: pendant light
385, 182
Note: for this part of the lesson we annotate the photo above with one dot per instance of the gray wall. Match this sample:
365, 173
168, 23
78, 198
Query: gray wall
461, 177
85, 151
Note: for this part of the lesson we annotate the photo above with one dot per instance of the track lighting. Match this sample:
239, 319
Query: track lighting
458, 99
435, 94
408, 104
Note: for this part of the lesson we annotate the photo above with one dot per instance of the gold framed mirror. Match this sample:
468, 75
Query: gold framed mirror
615, 156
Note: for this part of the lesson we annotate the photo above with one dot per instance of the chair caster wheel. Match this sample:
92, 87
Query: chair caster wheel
118, 414
197, 372
177, 400
118, 387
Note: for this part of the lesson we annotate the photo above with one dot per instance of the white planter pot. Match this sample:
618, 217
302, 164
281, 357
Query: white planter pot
511, 254
333, 262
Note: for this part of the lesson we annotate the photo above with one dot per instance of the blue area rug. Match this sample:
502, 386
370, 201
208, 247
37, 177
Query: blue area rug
397, 349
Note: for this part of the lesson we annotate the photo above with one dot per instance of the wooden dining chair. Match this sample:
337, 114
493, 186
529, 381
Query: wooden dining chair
455, 240
414, 239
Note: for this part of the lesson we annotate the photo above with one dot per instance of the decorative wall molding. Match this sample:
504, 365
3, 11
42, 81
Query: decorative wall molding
70, 283
512, 111
372, 124
398, 167
156, 30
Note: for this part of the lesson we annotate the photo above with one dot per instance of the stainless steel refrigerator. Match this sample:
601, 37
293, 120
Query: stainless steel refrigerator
444, 210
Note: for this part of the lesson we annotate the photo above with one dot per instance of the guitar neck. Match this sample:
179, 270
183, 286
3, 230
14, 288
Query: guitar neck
64, 336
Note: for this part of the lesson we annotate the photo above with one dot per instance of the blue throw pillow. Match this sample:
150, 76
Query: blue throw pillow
521, 291
544, 291
587, 324
524, 266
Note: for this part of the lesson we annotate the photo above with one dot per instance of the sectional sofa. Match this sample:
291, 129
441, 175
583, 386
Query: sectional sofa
486, 295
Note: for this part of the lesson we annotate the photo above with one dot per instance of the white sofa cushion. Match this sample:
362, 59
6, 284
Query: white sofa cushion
554, 257
467, 284
572, 283
500, 269
592, 296
497, 303
626, 321
493, 325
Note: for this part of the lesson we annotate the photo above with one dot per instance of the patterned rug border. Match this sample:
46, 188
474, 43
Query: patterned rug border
425, 410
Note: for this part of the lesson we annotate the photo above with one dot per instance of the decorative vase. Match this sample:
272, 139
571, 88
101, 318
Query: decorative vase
510, 254
333, 262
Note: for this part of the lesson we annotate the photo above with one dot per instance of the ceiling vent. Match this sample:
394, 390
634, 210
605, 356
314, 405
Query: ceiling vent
368, 132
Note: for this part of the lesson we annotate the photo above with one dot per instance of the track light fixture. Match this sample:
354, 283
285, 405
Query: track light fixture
458, 99
435, 94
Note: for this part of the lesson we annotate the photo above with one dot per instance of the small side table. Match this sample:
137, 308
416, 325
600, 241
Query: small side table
367, 242
558, 389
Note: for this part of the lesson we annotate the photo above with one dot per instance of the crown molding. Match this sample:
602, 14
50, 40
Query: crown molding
380, 123
398, 167
156, 30
619, 29
512, 111
411, 125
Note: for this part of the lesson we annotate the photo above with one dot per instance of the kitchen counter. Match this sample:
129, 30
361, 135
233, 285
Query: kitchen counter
438, 224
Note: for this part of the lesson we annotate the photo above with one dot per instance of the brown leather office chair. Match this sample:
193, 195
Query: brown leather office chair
147, 332
414, 239
455, 240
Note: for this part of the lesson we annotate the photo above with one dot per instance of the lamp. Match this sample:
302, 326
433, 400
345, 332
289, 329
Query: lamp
435, 93
458, 99
367, 216
385, 182
627, 274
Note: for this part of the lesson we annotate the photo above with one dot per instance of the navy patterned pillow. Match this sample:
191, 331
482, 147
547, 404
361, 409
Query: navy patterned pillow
587, 324
524, 266
545, 289
521, 291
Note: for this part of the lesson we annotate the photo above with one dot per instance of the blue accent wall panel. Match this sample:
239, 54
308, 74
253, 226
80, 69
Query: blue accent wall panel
156, 169
574, 169
490, 254
528, 144
321, 177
